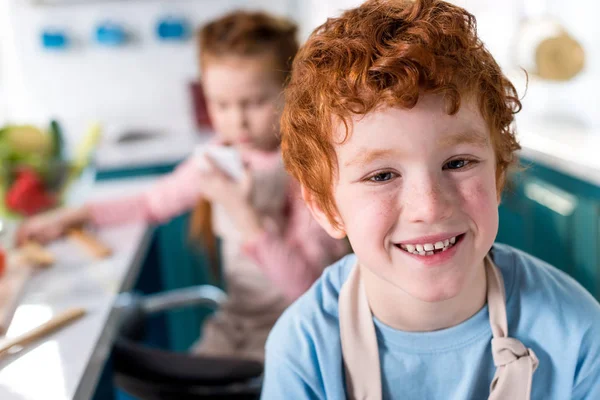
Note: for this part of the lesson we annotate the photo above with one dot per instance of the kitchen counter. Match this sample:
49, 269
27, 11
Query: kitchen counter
68, 363
563, 147
166, 149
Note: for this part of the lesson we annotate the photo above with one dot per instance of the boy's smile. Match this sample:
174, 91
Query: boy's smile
432, 250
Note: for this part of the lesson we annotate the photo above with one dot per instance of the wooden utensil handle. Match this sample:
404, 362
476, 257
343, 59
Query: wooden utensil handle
46, 328
34, 253
91, 243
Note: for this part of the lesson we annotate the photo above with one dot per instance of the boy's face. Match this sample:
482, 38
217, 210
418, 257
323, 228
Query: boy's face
413, 180
244, 100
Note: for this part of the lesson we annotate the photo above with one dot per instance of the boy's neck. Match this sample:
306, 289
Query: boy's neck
397, 309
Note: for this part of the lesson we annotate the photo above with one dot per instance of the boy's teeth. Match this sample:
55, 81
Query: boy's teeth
428, 248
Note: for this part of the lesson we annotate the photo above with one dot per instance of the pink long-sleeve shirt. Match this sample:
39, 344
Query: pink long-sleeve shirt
291, 253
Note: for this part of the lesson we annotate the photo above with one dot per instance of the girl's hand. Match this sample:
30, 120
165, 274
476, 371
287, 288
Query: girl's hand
51, 225
219, 188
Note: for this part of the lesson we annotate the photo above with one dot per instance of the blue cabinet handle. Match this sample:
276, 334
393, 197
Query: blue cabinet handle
54, 39
111, 34
172, 28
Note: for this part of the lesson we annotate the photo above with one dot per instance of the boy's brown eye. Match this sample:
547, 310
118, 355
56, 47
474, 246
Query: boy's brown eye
382, 177
456, 164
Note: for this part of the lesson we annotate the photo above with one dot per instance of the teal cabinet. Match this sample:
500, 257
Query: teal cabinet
556, 218
181, 264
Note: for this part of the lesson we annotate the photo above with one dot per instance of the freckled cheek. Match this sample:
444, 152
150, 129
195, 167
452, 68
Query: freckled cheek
479, 201
367, 215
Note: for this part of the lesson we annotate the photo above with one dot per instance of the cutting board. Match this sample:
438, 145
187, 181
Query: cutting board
21, 264
12, 284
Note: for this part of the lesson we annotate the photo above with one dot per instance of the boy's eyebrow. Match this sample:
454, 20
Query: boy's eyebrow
464, 137
366, 156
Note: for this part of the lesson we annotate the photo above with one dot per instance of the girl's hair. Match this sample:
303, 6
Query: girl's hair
241, 34
249, 34
389, 53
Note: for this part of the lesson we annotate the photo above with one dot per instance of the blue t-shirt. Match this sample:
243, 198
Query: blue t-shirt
547, 310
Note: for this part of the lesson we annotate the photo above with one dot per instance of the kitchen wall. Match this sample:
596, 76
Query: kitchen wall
144, 84
141, 85
4, 18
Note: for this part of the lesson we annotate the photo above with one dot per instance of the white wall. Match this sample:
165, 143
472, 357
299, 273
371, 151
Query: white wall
7, 55
142, 85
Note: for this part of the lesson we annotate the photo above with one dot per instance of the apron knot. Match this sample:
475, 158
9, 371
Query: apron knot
508, 350
515, 365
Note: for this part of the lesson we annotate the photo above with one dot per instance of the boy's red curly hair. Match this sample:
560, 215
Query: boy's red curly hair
388, 53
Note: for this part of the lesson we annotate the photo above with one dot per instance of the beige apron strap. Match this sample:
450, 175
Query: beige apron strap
359, 341
515, 364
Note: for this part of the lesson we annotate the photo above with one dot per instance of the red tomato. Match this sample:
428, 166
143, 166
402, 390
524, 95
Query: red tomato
2, 262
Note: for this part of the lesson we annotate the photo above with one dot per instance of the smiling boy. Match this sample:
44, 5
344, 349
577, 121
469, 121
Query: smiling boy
398, 124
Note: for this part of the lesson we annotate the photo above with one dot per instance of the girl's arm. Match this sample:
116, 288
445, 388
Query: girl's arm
172, 195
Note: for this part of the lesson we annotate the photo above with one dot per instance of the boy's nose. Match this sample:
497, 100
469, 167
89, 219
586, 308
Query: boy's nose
428, 201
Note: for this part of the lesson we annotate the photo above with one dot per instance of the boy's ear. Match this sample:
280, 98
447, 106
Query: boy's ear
336, 232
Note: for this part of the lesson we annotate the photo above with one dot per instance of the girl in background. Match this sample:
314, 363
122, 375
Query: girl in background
272, 250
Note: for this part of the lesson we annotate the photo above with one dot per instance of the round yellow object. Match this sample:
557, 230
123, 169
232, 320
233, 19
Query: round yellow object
559, 58
28, 139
